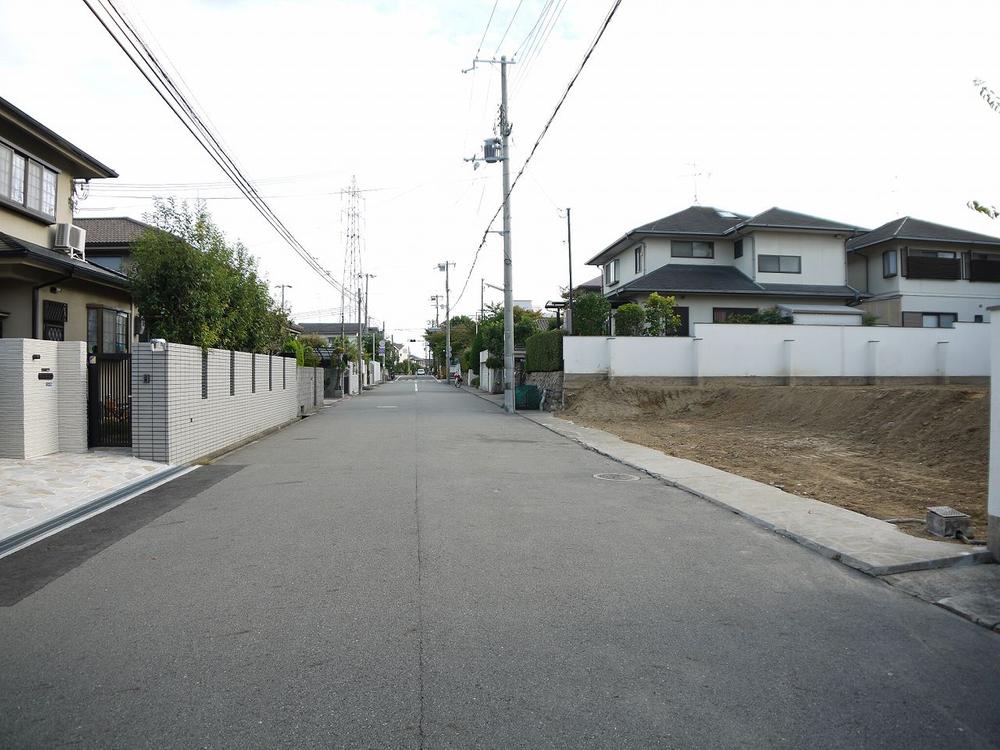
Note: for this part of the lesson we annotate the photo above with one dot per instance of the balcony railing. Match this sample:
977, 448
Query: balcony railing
984, 270
933, 268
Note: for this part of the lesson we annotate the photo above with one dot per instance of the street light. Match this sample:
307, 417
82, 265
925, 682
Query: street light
446, 266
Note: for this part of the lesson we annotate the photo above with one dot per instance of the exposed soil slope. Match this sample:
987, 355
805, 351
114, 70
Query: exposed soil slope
886, 451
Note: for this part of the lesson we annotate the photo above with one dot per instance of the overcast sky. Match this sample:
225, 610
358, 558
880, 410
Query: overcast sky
859, 111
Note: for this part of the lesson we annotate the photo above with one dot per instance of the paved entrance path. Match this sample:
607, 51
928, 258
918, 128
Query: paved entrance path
418, 569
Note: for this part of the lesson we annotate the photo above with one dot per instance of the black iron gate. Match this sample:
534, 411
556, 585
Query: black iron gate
109, 400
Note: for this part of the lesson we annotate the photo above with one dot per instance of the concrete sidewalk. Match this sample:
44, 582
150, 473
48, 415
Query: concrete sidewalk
41, 495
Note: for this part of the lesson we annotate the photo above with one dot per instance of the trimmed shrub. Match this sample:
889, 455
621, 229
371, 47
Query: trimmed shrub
769, 316
543, 352
630, 319
590, 314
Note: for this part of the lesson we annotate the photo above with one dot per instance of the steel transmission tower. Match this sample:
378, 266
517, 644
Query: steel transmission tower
352, 223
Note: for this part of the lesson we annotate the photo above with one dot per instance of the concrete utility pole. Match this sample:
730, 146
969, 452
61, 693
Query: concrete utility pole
283, 287
446, 266
359, 340
436, 299
569, 249
508, 274
490, 148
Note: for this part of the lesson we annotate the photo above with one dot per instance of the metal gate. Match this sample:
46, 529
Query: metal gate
109, 400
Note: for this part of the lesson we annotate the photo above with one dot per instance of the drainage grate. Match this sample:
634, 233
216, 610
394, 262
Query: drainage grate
613, 477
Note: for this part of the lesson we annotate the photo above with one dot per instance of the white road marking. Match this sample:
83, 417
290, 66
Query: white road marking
415, 389
385, 407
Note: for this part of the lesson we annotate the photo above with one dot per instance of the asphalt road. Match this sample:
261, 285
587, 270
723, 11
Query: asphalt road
417, 569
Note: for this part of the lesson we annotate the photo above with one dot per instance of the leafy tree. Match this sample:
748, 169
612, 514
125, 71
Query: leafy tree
590, 314
630, 319
193, 286
992, 100
660, 315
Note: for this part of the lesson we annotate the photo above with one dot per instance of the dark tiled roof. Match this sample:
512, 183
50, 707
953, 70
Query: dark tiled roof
779, 218
682, 277
690, 278
332, 329
11, 247
28, 123
112, 230
908, 228
697, 220
594, 283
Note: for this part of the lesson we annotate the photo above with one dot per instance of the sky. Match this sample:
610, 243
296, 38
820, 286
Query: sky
858, 111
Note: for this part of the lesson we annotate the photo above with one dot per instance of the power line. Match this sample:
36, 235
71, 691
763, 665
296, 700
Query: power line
531, 32
147, 64
486, 30
507, 30
543, 37
538, 141
537, 31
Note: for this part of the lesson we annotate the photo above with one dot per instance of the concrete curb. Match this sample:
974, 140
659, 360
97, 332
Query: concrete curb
953, 555
47, 527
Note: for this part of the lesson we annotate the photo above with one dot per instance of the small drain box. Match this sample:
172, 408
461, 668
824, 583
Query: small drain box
945, 521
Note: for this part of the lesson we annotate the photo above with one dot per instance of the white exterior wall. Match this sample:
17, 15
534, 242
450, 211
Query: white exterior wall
172, 423
823, 257
701, 307
728, 350
826, 319
40, 417
657, 255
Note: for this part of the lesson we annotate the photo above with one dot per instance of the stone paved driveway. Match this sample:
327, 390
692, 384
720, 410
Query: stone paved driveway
35, 490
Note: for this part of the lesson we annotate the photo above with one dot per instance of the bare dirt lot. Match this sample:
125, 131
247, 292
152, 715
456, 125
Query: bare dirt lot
885, 451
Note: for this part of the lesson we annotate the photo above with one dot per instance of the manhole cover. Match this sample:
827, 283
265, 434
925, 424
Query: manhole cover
612, 477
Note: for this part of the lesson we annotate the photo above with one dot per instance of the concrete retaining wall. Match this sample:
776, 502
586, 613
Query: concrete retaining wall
42, 416
187, 405
789, 353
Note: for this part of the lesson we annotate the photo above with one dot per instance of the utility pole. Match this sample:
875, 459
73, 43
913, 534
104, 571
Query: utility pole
283, 287
436, 299
359, 341
490, 156
569, 248
508, 274
446, 266
482, 307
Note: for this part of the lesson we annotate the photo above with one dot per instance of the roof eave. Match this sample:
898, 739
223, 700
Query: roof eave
93, 168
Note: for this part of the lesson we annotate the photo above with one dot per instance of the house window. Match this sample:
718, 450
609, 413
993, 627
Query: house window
54, 317
779, 264
723, 314
110, 262
738, 249
929, 320
107, 331
27, 183
638, 259
890, 264
692, 249
611, 273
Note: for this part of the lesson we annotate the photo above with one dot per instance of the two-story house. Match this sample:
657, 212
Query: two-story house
48, 288
720, 263
916, 273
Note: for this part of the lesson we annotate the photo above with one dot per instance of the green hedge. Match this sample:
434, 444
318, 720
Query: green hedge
543, 352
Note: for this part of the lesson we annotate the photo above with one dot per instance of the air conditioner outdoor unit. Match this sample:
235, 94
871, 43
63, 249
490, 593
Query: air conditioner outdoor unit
72, 240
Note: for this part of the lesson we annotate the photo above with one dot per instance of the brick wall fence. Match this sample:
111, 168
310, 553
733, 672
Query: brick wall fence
43, 397
187, 404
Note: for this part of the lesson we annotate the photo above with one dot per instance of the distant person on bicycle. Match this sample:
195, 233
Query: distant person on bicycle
458, 380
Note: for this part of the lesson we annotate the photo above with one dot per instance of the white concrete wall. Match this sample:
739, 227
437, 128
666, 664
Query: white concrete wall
993, 493
309, 381
39, 417
173, 423
823, 257
727, 350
